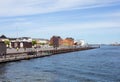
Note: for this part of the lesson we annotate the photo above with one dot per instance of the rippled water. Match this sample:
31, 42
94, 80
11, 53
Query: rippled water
98, 65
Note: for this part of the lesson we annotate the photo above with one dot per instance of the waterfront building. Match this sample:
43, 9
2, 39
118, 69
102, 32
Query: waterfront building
3, 38
56, 41
21, 42
44, 41
40, 42
82, 43
68, 41
24, 39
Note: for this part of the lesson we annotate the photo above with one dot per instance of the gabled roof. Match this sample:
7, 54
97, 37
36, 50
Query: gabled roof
3, 36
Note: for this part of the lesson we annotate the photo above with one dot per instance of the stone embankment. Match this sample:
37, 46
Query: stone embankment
29, 54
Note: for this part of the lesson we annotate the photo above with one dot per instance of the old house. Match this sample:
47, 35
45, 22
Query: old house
56, 41
68, 42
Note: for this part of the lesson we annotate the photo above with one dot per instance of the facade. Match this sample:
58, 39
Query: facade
41, 42
3, 48
3, 38
24, 39
68, 42
56, 41
81, 43
26, 44
37, 40
15, 44
22, 42
44, 41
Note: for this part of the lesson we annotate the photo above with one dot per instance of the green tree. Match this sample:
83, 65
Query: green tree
7, 42
42, 44
34, 42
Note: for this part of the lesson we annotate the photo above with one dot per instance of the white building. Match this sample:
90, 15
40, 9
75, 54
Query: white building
82, 43
41, 42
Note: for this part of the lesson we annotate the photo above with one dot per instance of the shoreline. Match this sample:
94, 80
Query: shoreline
13, 57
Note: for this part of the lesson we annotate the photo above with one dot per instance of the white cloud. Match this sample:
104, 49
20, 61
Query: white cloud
74, 27
105, 15
30, 7
74, 30
33, 29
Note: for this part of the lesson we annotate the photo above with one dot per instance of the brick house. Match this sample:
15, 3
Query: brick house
56, 41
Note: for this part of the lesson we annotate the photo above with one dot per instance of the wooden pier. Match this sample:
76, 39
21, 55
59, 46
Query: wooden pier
10, 57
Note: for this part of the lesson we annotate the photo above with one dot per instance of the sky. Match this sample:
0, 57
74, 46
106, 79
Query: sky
95, 21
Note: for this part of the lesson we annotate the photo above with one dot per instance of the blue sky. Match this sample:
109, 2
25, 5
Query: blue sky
94, 21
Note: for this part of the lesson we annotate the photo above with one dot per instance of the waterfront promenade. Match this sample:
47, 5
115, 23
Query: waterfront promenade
25, 54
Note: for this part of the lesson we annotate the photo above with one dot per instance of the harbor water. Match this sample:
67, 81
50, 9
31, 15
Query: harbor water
96, 65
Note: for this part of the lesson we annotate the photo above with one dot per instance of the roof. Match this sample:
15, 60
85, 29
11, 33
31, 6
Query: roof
40, 39
70, 38
3, 36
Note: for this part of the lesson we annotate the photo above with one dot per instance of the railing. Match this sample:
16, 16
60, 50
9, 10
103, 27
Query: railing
39, 53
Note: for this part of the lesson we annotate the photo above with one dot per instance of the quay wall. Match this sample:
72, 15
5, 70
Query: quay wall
11, 57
